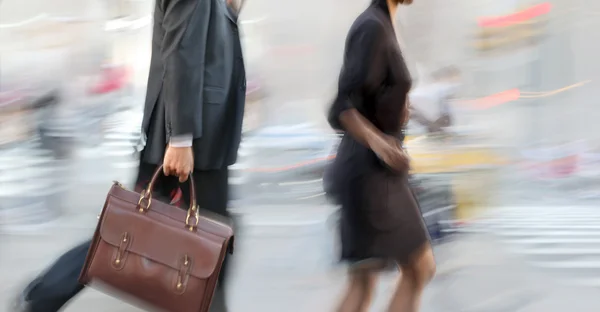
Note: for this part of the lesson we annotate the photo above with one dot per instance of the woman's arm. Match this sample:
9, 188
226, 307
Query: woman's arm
360, 128
386, 147
363, 72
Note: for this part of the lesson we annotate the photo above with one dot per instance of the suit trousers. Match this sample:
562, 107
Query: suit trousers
51, 290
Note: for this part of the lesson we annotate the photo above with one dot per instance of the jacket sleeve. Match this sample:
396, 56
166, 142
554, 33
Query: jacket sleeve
183, 50
362, 70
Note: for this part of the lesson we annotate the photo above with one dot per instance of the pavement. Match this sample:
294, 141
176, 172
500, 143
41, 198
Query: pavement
561, 242
286, 253
285, 261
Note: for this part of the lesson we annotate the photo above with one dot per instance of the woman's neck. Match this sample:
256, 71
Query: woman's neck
393, 7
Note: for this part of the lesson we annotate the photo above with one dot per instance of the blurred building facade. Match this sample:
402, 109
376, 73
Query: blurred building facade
558, 54
296, 49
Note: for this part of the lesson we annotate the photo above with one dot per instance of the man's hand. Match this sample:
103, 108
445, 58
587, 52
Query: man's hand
179, 161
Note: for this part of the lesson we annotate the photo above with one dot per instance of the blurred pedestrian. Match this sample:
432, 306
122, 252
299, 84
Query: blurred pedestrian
430, 104
194, 107
381, 225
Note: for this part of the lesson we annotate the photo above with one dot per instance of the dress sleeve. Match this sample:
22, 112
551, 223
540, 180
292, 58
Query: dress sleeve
362, 70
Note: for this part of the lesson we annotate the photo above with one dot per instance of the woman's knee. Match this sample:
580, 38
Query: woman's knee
423, 267
364, 279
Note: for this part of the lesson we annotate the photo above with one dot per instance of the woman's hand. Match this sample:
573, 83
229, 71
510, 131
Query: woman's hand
390, 151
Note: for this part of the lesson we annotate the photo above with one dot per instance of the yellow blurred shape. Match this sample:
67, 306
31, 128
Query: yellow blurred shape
452, 161
492, 43
474, 192
488, 38
474, 186
539, 94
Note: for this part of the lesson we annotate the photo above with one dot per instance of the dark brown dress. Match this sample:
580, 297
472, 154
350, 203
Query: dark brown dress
381, 219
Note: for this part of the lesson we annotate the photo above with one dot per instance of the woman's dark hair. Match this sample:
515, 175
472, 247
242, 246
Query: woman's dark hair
380, 3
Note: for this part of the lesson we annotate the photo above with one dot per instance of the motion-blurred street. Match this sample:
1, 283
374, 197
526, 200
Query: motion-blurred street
511, 195
284, 254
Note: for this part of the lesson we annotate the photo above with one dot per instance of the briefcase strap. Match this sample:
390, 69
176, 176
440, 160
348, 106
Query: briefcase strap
192, 218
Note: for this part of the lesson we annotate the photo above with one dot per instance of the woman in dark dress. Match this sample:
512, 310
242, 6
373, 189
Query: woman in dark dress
381, 222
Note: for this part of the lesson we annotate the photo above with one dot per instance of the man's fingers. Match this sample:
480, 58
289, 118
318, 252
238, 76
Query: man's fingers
182, 174
167, 170
183, 177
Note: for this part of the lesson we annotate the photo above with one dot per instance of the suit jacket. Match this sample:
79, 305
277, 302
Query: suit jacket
196, 83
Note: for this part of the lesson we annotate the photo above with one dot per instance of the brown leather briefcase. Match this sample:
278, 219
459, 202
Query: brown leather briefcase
160, 256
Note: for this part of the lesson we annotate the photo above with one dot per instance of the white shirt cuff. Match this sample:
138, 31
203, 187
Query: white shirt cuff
184, 140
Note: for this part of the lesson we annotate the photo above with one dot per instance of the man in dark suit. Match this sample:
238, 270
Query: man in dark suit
192, 124
196, 88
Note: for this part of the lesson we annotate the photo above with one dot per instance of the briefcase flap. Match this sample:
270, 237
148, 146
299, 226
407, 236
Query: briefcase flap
159, 237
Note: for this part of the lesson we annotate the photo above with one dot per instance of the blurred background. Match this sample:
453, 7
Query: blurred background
509, 188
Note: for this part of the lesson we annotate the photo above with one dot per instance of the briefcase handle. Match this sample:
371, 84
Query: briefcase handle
192, 212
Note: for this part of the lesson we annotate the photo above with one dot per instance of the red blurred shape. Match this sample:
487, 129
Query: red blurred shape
112, 79
565, 166
557, 168
8, 97
496, 99
507, 20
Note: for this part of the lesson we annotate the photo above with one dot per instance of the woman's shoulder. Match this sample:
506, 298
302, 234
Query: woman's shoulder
367, 22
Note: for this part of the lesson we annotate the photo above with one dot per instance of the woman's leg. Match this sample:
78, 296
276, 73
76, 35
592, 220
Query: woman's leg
415, 276
361, 284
